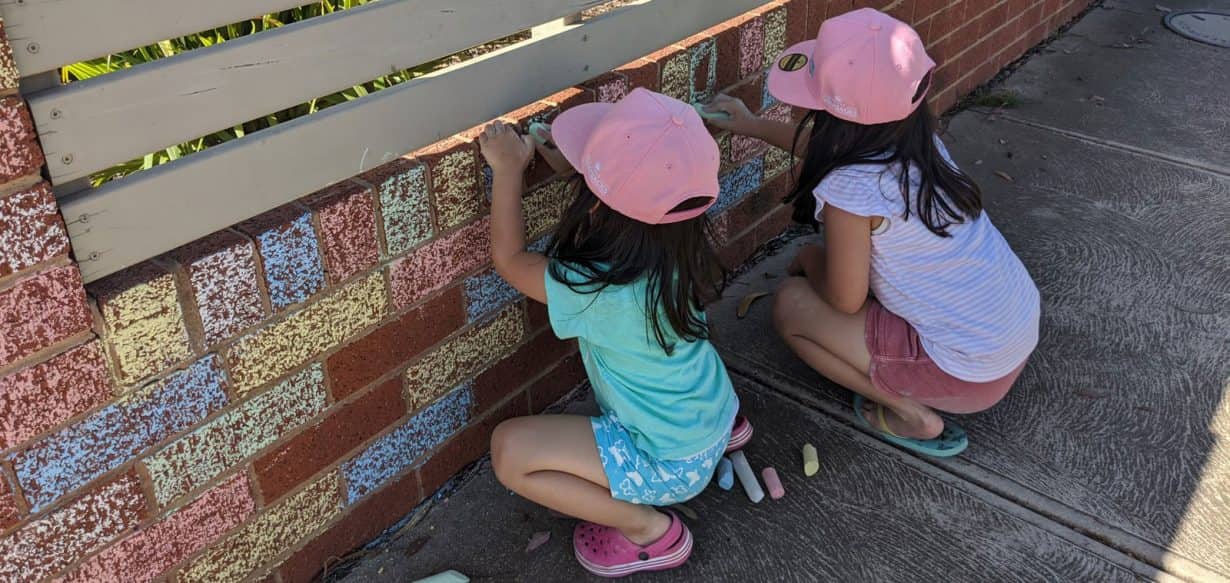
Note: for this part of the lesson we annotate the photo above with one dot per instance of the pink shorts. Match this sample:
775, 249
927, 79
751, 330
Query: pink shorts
901, 366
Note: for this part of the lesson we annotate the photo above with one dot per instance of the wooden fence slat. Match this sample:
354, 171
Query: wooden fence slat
89, 126
67, 31
133, 219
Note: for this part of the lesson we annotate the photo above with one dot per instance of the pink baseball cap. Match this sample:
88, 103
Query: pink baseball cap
864, 67
642, 156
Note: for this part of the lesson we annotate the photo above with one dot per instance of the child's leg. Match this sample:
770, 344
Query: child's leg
553, 460
833, 343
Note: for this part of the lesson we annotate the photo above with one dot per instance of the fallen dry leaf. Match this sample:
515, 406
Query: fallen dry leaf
537, 540
1007, 177
746, 303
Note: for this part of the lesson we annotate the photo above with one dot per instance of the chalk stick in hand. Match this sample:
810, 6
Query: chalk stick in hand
746, 477
704, 114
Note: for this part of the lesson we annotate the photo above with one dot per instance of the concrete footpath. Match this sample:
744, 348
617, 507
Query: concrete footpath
1110, 460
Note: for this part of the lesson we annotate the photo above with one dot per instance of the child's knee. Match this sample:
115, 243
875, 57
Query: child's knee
787, 300
503, 450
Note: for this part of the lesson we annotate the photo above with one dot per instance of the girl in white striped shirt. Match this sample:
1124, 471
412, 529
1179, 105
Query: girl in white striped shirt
953, 315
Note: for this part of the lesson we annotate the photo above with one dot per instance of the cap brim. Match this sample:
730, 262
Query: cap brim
571, 130
798, 87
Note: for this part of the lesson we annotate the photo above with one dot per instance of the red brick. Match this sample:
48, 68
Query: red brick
90, 522
903, 10
318, 446
946, 22
42, 396
555, 384
747, 213
726, 36
537, 314
570, 97
509, 374
774, 224
10, 510
41, 310
220, 270
346, 214
733, 253
31, 230
796, 21
19, 151
751, 91
361, 524
816, 10
640, 73
456, 181
440, 262
391, 345
150, 551
469, 445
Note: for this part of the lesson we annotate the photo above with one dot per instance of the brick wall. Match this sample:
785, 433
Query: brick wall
282, 391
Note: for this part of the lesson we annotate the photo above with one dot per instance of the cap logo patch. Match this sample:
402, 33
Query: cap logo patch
792, 62
834, 104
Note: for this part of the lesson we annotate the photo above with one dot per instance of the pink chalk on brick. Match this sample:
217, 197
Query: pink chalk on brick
150, 551
438, 263
30, 229
347, 216
221, 271
9, 512
613, 90
19, 152
44, 546
751, 47
42, 396
41, 310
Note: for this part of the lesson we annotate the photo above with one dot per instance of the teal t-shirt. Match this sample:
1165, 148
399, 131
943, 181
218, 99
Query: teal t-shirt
674, 406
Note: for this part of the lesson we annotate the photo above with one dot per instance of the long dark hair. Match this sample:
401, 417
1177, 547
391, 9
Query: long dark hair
601, 248
945, 195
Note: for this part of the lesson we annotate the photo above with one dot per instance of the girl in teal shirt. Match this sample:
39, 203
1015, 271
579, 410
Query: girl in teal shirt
626, 275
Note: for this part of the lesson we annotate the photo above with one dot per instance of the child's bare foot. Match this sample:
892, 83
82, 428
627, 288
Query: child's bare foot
541, 133
921, 424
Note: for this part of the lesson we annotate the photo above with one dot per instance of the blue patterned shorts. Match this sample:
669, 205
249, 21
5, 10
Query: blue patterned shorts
636, 477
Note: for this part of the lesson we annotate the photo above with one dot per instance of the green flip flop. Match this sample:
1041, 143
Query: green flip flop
952, 441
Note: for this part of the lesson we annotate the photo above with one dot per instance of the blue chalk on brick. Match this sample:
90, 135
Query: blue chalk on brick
486, 293
766, 99
293, 268
488, 181
726, 474
737, 184
113, 435
540, 246
401, 449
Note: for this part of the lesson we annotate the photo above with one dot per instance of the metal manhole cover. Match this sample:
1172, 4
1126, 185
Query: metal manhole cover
1207, 26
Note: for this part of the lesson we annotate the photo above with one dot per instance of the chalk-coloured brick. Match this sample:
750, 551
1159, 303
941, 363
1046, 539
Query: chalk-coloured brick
37, 398
149, 552
609, 87
262, 539
347, 216
774, 35
8, 69
401, 186
486, 293
544, 206
776, 161
70, 458
10, 511
221, 272
30, 227
737, 183
675, 69
290, 254
400, 449
144, 321
274, 350
44, 546
40, 310
453, 167
766, 99
751, 47
440, 262
463, 355
236, 435
744, 147
702, 70
19, 151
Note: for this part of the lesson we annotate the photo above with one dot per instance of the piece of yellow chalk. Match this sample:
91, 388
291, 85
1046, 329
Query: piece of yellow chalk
811, 462
773, 483
746, 477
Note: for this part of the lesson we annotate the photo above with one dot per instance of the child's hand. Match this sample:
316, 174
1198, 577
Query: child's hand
741, 120
506, 152
541, 134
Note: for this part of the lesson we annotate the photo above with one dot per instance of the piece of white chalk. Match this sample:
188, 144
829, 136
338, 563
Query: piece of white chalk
811, 462
773, 483
726, 474
445, 577
746, 477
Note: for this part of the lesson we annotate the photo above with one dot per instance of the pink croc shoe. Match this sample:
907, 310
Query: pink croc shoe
605, 552
740, 434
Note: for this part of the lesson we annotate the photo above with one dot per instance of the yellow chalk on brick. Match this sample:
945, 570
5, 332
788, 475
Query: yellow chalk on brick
262, 539
270, 352
145, 326
462, 356
811, 462
776, 161
774, 35
544, 206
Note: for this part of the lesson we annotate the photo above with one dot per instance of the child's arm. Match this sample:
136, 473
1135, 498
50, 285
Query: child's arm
740, 120
847, 260
509, 154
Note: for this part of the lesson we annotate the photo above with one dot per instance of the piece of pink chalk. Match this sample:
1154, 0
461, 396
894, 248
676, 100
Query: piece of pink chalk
772, 483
